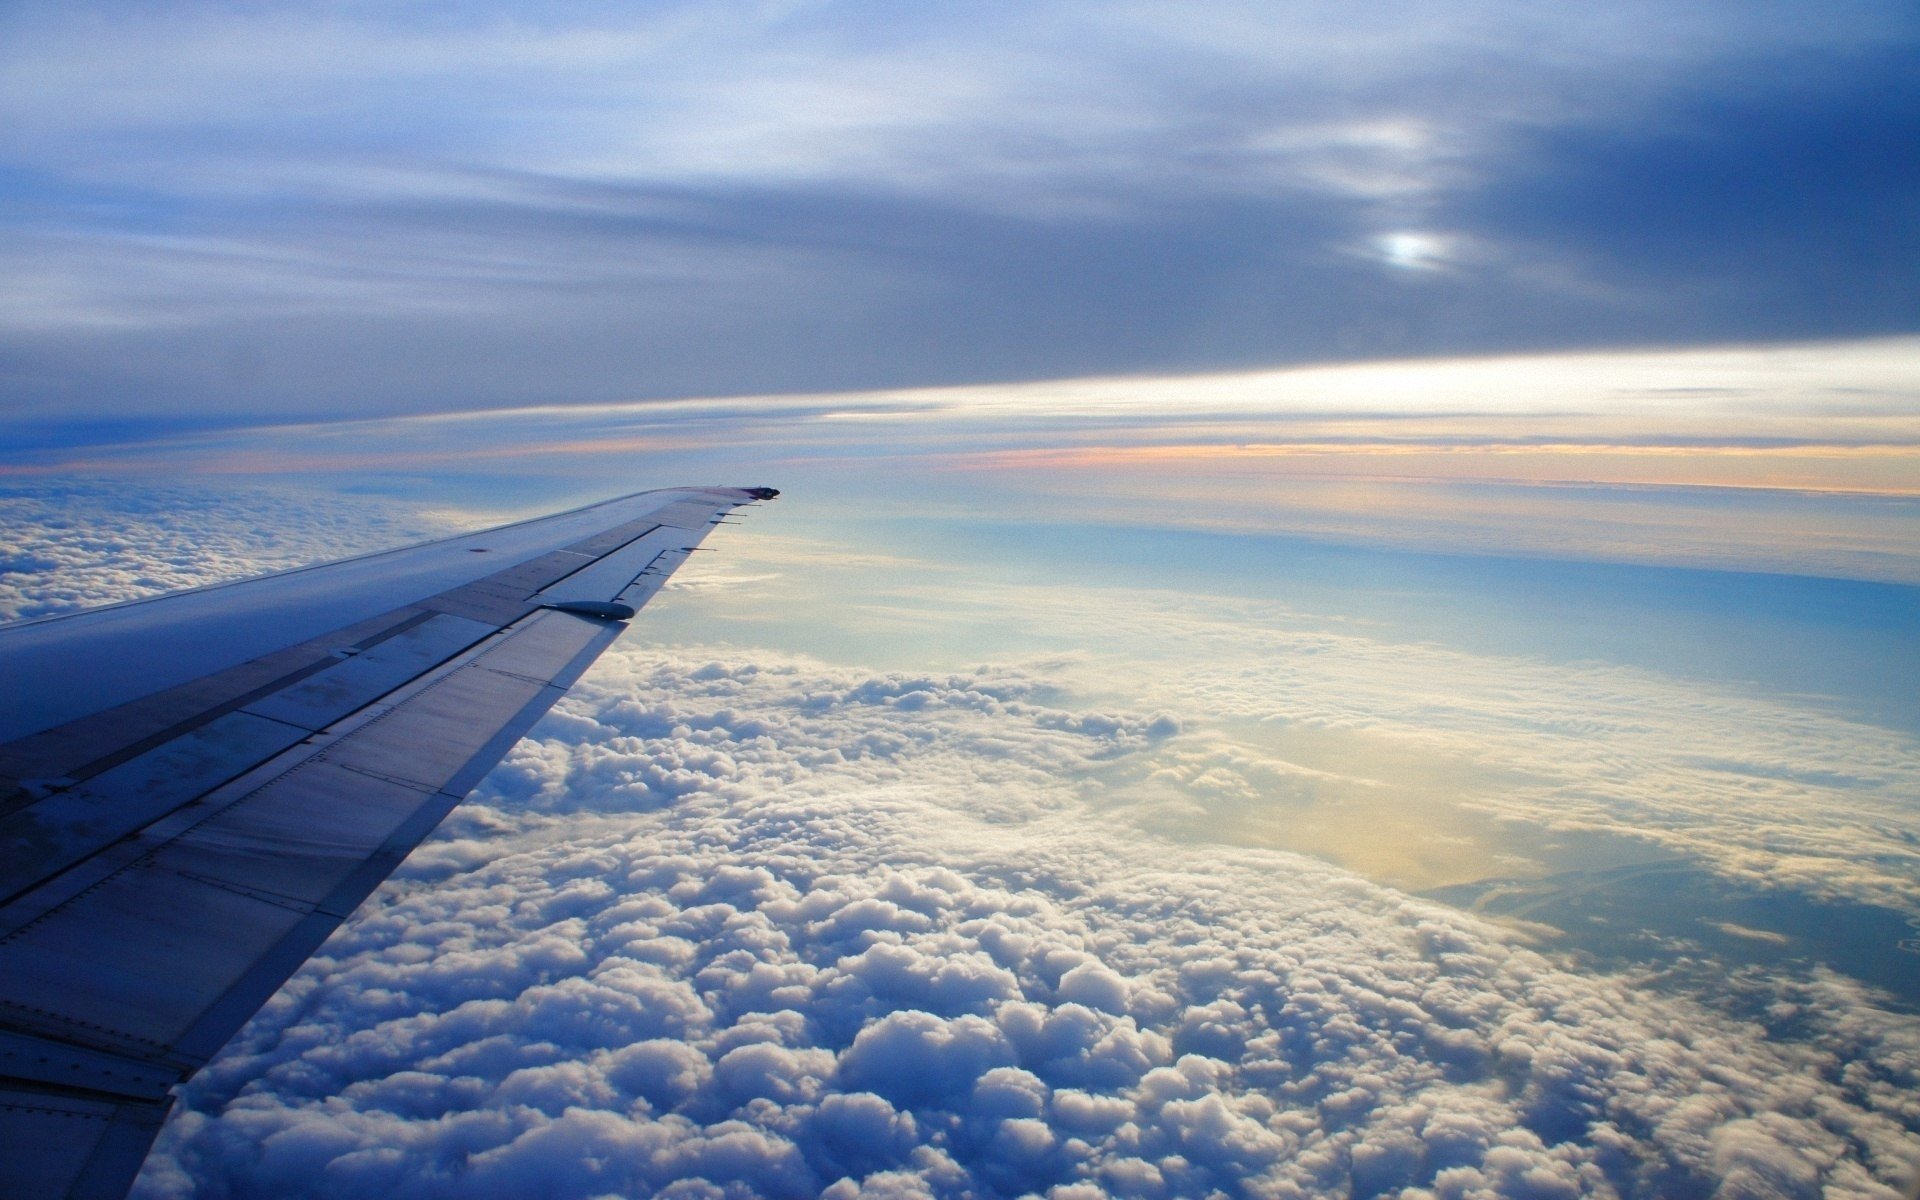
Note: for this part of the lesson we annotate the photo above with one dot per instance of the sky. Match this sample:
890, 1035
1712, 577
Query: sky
1342, 618
246, 211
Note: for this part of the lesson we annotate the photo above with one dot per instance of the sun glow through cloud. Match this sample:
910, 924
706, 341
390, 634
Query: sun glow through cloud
1411, 250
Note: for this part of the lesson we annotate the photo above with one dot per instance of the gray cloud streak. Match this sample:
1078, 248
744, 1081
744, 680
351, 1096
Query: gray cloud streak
271, 211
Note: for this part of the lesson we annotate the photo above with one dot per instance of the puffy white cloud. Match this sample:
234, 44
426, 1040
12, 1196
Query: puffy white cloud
892, 950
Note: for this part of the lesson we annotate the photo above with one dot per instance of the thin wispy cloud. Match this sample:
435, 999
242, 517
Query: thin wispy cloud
1801, 458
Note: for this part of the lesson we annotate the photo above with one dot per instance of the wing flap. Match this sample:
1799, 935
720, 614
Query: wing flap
607, 577
130, 960
301, 837
84, 1148
365, 676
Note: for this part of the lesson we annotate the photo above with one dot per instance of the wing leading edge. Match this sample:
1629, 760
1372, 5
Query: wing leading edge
175, 843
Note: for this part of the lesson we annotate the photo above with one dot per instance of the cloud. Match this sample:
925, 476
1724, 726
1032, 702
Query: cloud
1315, 718
817, 940
737, 918
376, 210
1796, 458
1714, 178
81, 543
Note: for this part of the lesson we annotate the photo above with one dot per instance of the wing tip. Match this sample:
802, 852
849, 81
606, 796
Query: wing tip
722, 489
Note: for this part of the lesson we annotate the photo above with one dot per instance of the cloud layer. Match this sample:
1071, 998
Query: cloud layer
760, 926
378, 209
76, 543
738, 921
1318, 706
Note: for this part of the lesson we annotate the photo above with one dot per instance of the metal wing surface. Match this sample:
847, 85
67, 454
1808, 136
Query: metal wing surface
195, 790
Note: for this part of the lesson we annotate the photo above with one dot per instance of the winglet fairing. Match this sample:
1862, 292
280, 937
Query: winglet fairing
196, 790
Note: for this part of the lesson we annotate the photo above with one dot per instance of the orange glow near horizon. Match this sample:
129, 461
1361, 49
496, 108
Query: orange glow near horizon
1881, 469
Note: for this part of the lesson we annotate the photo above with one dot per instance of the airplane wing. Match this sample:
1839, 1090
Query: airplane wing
196, 790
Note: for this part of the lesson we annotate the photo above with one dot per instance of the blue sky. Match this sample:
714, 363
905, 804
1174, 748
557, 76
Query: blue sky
257, 210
